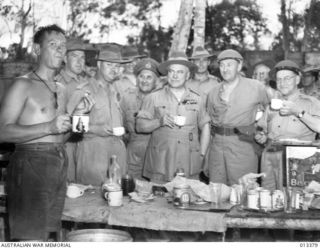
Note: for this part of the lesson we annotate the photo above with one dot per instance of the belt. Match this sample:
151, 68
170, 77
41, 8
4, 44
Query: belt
42, 146
225, 131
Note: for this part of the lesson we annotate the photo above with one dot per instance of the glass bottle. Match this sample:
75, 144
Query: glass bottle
114, 171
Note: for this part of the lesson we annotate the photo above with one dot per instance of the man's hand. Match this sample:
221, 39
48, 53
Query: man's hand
85, 105
60, 124
261, 137
290, 108
101, 130
167, 120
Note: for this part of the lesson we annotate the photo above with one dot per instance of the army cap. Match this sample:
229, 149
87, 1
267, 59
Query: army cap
112, 54
131, 52
287, 65
177, 57
77, 44
229, 54
200, 52
147, 64
311, 69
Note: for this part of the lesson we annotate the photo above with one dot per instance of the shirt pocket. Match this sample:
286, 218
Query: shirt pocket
191, 112
161, 109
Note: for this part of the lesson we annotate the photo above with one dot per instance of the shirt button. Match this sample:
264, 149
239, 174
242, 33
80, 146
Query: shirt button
278, 126
178, 142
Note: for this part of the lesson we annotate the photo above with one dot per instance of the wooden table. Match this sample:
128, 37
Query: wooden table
157, 214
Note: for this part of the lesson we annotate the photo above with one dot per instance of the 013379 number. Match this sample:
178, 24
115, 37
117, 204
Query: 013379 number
309, 244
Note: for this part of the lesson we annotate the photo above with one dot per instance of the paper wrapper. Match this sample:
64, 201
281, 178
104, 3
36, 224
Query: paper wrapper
199, 188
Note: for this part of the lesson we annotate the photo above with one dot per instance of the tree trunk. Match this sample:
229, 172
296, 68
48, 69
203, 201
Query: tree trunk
182, 30
285, 29
199, 24
305, 46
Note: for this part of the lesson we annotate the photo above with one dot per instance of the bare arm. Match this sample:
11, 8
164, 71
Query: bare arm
12, 107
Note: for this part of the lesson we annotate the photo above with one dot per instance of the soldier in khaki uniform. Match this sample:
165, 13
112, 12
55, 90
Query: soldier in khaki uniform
147, 75
309, 81
202, 80
99, 144
72, 77
298, 118
171, 145
232, 106
128, 79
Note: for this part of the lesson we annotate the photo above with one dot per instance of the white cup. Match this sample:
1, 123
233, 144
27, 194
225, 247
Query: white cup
74, 191
118, 131
180, 120
114, 198
80, 123
276, 104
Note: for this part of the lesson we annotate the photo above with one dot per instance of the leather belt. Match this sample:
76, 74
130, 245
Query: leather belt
224, 131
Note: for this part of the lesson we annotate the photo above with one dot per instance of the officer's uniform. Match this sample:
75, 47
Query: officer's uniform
232, 148
283, 127
71, 82
138, 142
178, 147
94, 151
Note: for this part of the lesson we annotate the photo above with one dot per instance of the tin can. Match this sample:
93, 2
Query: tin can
253, 199
181, 195
127, 184
265, 199
277, 199
298, 199
233, 196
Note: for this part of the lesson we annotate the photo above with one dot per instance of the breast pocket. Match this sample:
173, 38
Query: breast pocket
161, 109
192, 112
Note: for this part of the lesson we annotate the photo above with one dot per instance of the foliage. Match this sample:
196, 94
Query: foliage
229, 23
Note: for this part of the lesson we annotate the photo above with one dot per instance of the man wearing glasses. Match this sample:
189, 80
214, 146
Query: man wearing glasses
296, 117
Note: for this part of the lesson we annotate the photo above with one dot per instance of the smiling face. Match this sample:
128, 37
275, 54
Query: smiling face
52, 49
146, 81
178, 75
230, 69
75, 61
287, 82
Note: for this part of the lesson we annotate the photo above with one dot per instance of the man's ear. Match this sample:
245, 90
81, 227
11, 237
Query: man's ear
36, 49
298, 79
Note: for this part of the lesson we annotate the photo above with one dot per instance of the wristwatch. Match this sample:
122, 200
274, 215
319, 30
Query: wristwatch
300, 115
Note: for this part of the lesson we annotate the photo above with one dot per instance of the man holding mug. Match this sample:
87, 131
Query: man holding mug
33, 116
174, 114
294, 116
104, 137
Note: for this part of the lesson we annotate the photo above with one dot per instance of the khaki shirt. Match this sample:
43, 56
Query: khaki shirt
163, 101
106, 110
241, 109
279, 127
130, 104
204, 86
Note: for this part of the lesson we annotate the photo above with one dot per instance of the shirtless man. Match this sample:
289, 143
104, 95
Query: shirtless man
33, 117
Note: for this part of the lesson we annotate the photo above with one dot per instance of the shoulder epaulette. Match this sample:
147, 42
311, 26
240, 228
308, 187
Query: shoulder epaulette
194, 91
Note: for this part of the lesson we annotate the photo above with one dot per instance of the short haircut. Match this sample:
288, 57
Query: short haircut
40, 34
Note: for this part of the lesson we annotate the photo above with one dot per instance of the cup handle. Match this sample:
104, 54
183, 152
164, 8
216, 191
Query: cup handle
106, 195
81, 192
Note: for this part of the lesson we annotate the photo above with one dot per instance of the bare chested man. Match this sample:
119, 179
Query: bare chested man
33, 117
